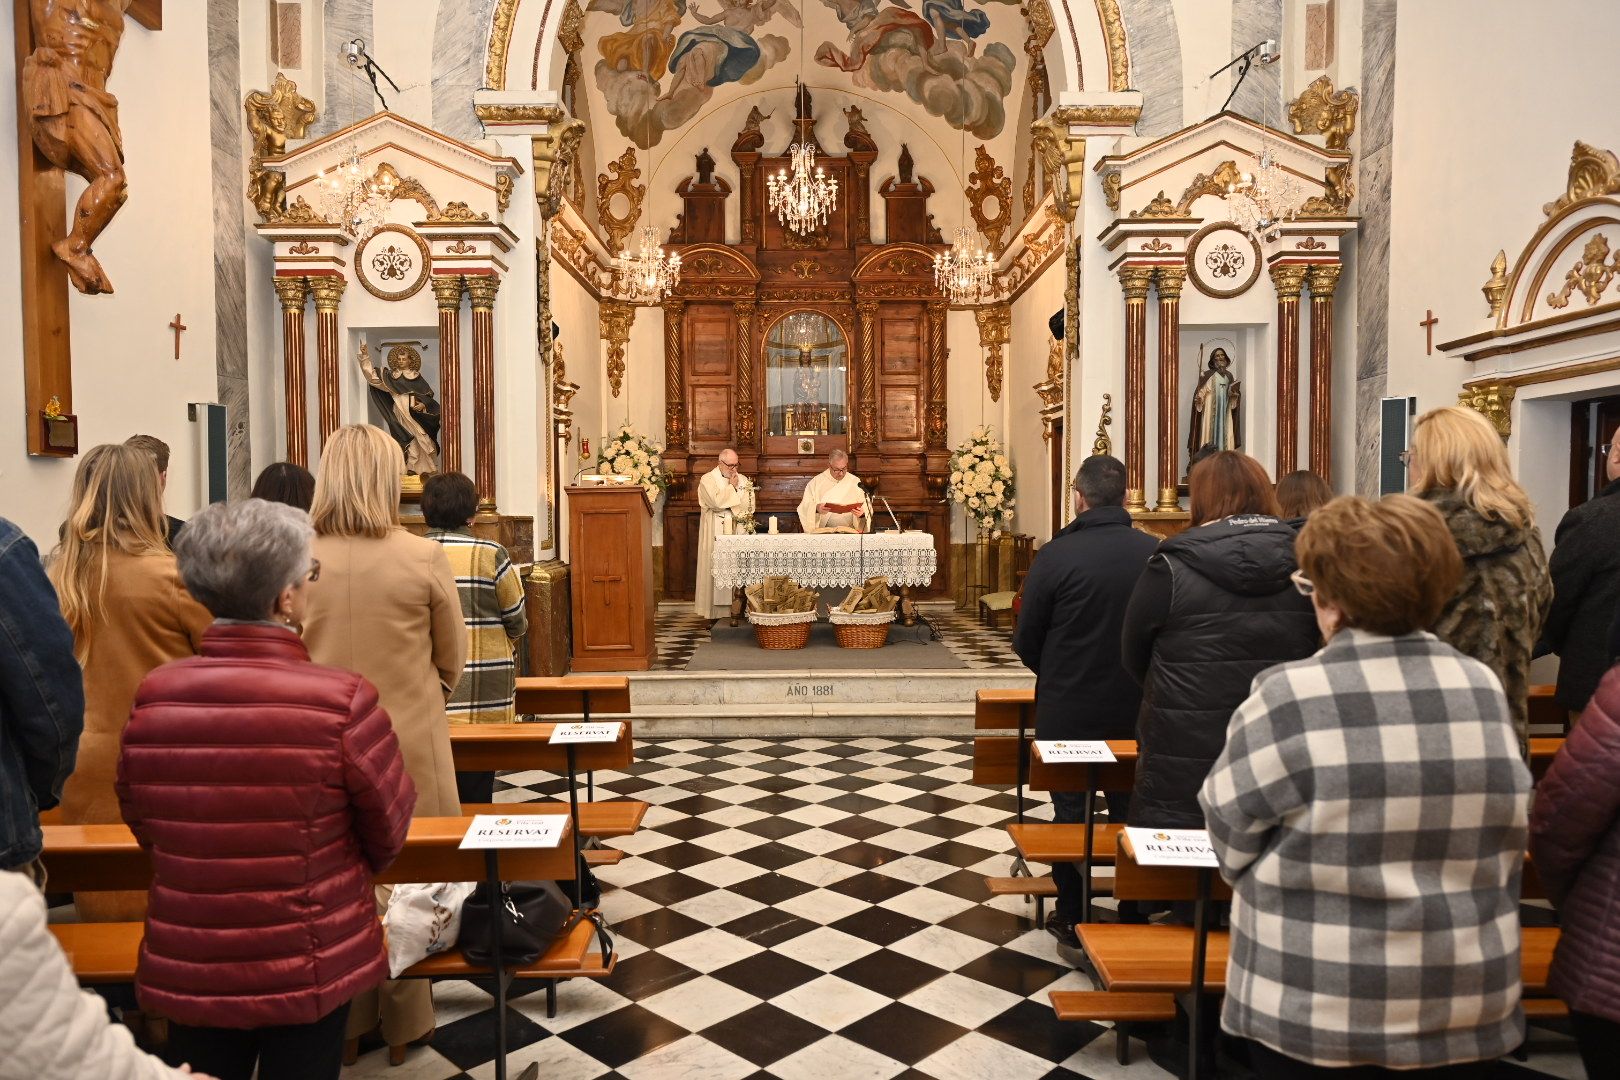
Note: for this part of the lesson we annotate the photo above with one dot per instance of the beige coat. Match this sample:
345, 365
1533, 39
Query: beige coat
148, 619
388, 609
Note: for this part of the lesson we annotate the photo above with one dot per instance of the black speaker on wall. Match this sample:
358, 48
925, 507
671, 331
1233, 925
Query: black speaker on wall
211, 418
1394, 437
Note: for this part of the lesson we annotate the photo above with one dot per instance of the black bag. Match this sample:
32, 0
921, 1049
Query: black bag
533, 912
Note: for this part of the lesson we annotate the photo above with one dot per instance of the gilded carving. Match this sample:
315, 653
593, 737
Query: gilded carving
1495, 290
1335, 199
1110, 183
989, 183
616, 319
458, 211
1050, 389
1321, 110
481, 290
1103, 444
549, 113
1157, 243
273, 117
461, 247
1493, 401
1099, 115
1119, 57
1310, 243
1289, 279
1218, 182
1591, 274
303, 247
299, 213
995, 325
562, 393
619, 180
1064, 158
1592, 172
553, 154
503, 191
706, 264
804, 268
405, 187
500, 39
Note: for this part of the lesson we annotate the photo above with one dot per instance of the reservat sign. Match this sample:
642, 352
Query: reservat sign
1172, 847
1064, 751
514, 831
563, 734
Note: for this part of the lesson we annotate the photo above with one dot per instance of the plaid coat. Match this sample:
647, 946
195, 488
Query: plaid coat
1370, 813
492, 605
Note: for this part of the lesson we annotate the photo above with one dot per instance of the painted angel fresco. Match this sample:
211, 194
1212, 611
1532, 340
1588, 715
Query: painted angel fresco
931, 57
723, 49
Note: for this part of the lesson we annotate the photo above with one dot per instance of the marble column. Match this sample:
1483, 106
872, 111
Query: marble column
1323, 279
294, 293
747, 437
1169, 280
482, 289
1289, 279
1134, 280
328, 292
674, 377
447, 290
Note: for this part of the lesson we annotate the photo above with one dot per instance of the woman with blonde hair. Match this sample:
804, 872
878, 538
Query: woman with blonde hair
1459, 465
386, 606
123, 599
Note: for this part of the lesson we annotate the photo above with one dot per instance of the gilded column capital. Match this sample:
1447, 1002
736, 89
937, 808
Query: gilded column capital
294, 292
995, 323
328, 292
866, 309
1493, 401
744, 309
482, 288
1134, 281
1289, 280
1169, 280
1323, 279
447, 289
615, 317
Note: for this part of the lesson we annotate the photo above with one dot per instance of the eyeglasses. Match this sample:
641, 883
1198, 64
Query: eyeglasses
314, 570
1406, 457
1603, 451
1304, 584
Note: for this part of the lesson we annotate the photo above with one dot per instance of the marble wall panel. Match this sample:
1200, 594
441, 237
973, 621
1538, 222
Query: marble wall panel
1260, 96
459, 36
1376, 137
230, 289
1155, 46
348, 95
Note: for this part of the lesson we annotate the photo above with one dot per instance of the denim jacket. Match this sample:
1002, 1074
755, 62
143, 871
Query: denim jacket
41, 697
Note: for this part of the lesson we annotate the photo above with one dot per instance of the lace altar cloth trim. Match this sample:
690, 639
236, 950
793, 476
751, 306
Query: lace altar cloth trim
824, 560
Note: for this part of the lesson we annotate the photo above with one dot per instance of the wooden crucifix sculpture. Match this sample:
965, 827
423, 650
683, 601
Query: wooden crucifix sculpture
66, 121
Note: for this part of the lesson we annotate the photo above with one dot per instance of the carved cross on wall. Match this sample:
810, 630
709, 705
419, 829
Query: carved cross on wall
177, 326
1428, 326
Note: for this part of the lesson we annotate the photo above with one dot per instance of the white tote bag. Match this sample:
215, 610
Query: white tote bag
422, 920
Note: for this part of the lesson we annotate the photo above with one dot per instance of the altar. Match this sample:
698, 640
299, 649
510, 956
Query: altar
825, 560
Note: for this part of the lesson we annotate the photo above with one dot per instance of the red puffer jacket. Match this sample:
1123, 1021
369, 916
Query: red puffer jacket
1575, 843
268, 789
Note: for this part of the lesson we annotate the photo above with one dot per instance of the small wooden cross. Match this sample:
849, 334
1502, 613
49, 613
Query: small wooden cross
1428, 326
177, 326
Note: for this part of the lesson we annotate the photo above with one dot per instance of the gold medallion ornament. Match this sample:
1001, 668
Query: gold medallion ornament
392, 263
619, 181
989, 195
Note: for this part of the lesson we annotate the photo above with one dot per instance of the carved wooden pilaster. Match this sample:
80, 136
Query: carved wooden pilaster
328, 292
1134, 281
1288, 279
935, 428
616, 317
447, 290
294, 293
995, 328
1323, 279
866, 434
747, 436
1169, 280
674, 377
482, 289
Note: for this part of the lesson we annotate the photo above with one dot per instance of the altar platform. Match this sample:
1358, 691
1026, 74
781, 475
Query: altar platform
791, 694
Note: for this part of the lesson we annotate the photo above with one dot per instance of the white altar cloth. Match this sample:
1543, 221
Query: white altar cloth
824, 560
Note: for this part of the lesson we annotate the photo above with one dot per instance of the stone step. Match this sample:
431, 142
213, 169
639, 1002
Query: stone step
874, 691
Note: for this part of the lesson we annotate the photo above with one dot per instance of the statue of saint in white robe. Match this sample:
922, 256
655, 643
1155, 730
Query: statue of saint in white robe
720, 502
822, 488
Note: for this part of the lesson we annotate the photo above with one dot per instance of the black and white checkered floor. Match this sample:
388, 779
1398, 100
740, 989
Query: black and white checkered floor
678, 632
806, 909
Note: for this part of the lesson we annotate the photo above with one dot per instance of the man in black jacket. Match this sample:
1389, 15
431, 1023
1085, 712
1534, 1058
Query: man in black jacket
1069, 636
1585, 568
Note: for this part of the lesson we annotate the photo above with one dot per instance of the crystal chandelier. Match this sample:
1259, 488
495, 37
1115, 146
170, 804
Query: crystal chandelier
354, 200
966, 274
802, 195
1259, 202
648, 275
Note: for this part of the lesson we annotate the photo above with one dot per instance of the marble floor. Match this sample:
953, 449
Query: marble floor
808, 910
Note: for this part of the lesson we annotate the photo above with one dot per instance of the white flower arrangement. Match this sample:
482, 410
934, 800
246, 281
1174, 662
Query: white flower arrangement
627, 452
982, 480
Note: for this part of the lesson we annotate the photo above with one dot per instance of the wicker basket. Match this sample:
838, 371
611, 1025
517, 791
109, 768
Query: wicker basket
862, 630
784, 630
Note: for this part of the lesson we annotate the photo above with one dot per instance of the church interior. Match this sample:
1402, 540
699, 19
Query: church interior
773, 337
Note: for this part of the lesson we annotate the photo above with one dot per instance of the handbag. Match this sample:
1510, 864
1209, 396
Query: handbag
532, 914
422, 920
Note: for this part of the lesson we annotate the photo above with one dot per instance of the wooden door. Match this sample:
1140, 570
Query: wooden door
1594, 424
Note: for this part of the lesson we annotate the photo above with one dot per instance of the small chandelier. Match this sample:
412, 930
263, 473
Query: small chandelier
802, 195
357, 202
648, 275
1261, 201
966, 273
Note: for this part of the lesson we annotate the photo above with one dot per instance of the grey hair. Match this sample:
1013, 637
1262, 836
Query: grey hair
838, 455
235, 558
1100, 481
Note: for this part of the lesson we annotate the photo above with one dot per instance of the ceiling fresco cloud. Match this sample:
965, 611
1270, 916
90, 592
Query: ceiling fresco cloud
659, 63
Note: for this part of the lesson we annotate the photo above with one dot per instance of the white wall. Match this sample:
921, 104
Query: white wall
159, 254
1032, 456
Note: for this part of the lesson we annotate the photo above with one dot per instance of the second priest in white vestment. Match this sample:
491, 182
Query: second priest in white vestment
724, 494
834, 486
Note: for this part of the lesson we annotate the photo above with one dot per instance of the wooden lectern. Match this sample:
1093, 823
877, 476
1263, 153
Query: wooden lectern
610, 561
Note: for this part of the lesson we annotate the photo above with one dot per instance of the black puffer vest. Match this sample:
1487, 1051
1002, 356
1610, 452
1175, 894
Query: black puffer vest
1233, 613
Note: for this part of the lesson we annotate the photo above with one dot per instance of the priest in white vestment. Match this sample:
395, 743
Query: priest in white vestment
828, 491
724, 495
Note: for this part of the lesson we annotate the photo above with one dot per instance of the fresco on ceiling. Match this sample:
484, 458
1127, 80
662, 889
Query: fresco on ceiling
654, 80
932, 57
